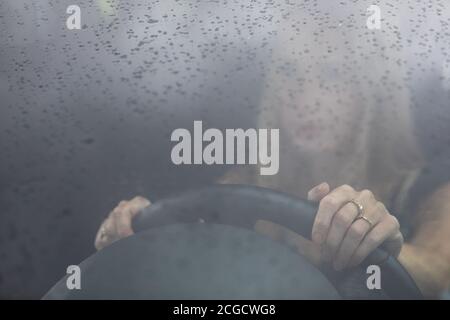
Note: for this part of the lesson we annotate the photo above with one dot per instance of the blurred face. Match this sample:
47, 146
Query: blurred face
321, 114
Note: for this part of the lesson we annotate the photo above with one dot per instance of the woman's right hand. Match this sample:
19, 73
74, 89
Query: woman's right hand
118, 224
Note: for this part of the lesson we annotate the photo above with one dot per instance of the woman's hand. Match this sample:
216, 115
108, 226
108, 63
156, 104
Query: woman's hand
350, 224
118, 223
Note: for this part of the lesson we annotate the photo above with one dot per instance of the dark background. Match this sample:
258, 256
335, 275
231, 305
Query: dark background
86, 118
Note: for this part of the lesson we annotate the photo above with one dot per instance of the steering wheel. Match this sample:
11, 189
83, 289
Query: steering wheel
201, 245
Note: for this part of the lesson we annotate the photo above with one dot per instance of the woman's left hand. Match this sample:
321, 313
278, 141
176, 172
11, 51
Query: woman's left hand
350, 224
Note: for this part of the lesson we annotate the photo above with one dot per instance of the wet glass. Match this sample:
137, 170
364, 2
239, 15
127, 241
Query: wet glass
86, 115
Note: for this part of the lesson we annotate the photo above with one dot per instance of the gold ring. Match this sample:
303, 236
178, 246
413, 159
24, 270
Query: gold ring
358, 205
365, 219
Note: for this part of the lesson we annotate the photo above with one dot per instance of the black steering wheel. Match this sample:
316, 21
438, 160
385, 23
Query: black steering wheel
201, 245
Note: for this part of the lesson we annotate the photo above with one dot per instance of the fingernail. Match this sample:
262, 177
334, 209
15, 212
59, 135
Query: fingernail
314, 190
322, 186
311, 194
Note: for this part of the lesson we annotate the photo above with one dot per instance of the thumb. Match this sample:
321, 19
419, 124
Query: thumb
137, 204
318, 192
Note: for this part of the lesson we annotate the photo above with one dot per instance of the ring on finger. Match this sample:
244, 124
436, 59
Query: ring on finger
359, 207
363, 217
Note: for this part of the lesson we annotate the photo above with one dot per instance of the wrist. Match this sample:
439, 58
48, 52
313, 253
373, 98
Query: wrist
429, 270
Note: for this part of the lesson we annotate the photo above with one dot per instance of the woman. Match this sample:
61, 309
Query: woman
339, 96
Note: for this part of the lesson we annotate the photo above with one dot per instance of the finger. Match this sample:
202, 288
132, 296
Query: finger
137, 204
122, 204
105, 235
122, 219
388, 227
355, 235
394, 244
124, 214
118, 224
99, 237
342, 222
328, 206
318, 192
109, 228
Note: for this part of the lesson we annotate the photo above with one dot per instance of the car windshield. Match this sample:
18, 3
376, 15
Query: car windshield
108, 99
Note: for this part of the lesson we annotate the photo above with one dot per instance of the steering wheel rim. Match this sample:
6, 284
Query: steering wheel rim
242, 206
